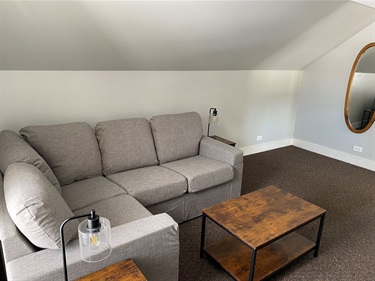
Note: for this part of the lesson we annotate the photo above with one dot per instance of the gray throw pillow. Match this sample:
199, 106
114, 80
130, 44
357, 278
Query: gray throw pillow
71, 150
36, 207
16, 149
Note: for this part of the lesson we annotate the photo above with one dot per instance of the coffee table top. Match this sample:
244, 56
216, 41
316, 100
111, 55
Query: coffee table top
260, 217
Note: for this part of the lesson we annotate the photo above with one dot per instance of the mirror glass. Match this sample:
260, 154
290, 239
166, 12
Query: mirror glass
360, 95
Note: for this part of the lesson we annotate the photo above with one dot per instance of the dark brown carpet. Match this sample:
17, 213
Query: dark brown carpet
347, 192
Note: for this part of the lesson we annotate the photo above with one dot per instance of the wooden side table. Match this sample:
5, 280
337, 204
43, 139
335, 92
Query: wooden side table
125, 270
223, 140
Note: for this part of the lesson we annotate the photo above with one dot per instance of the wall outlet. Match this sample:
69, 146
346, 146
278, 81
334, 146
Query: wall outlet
259, 138
357, 148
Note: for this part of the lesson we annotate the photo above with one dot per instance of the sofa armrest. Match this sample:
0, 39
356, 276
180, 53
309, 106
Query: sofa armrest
220, 151
152, 243
7, 226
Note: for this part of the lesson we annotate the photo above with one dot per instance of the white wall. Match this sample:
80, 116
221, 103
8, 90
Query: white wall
320, 114
250, 103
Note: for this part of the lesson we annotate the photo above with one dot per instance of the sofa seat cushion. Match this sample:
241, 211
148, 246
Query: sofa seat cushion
125, 144
202, 172
151, 185
36, 207
176, 136
16, 149
118, 210
71, 150
83, 193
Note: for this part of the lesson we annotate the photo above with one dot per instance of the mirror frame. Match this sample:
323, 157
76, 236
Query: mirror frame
346, 107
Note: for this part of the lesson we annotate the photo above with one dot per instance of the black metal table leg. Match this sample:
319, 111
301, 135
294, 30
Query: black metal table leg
319, 235
203, 233
252, 265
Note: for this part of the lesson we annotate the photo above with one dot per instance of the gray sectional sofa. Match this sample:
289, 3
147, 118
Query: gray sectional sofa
144, 176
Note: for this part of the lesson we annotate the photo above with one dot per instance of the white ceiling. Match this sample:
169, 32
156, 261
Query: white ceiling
174, 35
370, 3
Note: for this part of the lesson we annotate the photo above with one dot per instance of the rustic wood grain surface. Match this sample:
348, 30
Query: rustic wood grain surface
125, 270
264, 215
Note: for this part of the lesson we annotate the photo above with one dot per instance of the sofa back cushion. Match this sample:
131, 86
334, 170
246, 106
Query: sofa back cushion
71, 150
36, 207
16, 149
176, 136
125, 144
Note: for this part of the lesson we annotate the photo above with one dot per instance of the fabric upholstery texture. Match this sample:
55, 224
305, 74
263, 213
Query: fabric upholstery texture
151, 185
118, 210
152, 243
15, 149
177, 188
16, 246
71, 150
202, 172
176, 136
208, 197
174, 207
220, 151
36, 207
13, 243
125, 144
83, 193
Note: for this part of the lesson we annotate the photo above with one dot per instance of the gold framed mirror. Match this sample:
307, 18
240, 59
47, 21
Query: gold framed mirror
360, 94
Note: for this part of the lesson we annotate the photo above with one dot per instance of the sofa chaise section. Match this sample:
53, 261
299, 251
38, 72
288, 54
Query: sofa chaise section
151, 241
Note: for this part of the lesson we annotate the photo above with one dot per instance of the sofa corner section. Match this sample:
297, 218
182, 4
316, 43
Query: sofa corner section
152, 242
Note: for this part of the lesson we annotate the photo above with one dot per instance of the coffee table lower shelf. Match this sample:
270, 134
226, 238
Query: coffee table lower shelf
235, 257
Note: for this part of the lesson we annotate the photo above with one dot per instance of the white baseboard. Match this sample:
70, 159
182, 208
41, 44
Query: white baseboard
329, 152
335, 154
265, 146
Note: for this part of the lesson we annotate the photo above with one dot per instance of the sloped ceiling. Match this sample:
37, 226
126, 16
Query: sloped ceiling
174, 35
370, 3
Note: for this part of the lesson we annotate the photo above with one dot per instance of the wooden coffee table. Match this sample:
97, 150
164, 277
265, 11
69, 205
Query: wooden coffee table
262, 225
